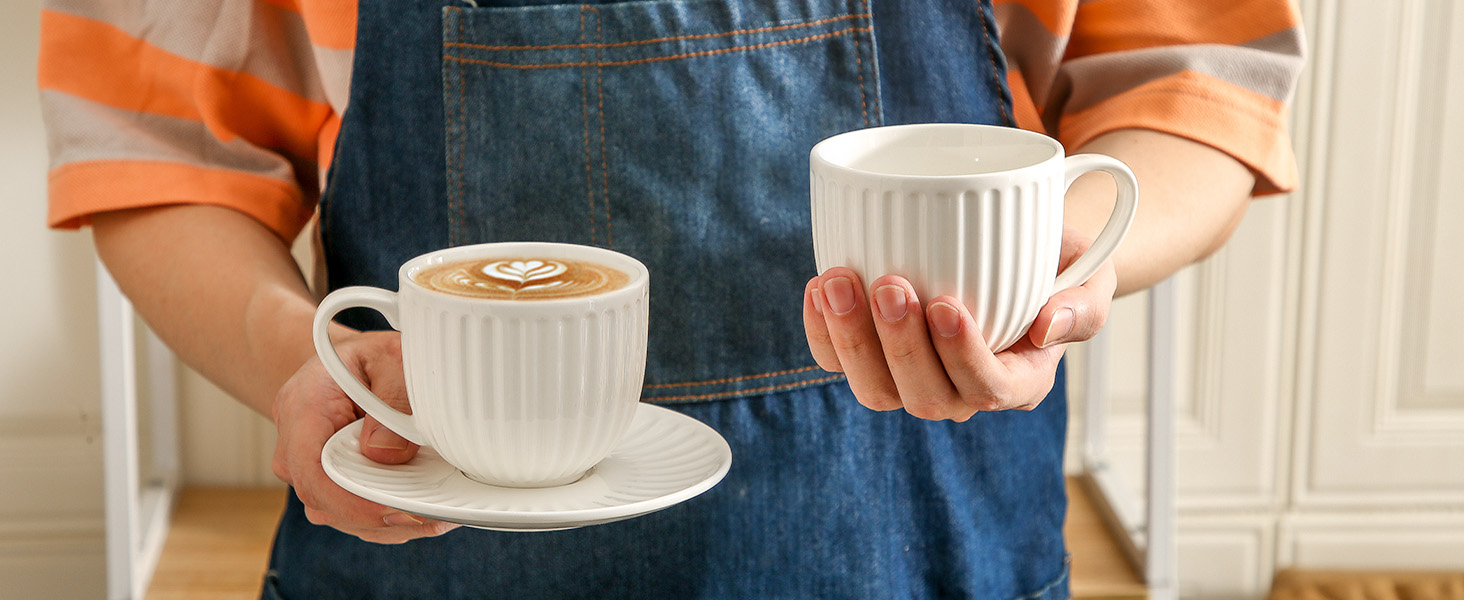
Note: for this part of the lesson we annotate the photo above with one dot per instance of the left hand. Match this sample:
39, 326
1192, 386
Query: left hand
311, 407
930, 359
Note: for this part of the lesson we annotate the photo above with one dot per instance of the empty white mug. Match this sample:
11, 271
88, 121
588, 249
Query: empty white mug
970, 211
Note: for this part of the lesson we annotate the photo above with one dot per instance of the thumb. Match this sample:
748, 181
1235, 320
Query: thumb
383, 445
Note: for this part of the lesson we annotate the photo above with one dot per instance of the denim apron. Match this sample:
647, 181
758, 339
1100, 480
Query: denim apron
677, 131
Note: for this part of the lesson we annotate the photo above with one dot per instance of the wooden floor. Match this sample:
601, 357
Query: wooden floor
1100, 569
219, 542
1381, 585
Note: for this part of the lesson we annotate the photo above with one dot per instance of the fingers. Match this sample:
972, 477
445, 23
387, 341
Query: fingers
326, 503
967, 359
853, 338
880, 340
383, 445
818, 333
934, 361
924, 386
1016, 378
298, 463
308, 410
1075, 314
329, 505
1070, 316
382, 371
931, 361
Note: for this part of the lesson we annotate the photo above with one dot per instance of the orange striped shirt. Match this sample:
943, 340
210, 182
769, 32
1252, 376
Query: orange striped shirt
238, 103
1220, 73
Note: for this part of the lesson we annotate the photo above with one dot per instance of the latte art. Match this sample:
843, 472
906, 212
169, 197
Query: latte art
524, 278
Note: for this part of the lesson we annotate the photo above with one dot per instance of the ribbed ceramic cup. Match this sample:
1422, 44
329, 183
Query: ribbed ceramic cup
514, 393
970, 211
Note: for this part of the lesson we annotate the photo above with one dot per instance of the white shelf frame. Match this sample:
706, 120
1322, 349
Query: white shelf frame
1148, 534
137, 511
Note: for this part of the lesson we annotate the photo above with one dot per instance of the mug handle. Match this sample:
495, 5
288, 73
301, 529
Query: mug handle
381, 301
1118, 223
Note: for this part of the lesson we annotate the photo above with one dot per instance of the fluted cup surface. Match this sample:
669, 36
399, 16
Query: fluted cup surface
969, 211
523, 361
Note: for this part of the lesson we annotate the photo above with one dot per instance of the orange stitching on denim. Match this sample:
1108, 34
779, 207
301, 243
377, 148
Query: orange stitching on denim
455, 200
774, 388
604, 161
627, 63
995, 72
585, 112
679, 38
859, 67
732, 379
454, 182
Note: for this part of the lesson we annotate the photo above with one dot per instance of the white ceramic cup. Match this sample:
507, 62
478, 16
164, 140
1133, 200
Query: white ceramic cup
514, 393
970, 211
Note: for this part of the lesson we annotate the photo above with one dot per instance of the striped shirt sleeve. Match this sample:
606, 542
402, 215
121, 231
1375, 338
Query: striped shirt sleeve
1220, 73
162, 102
237, 104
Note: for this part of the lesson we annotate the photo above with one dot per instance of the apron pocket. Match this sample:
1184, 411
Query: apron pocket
674, 131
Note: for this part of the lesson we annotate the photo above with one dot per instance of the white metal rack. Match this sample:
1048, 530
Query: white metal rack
1148, 533
139, 497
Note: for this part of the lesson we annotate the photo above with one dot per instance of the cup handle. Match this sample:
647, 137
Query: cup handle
381, 301
1118, 223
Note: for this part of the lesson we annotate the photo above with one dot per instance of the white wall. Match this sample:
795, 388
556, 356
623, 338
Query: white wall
51, 506
1321, 402
50, 457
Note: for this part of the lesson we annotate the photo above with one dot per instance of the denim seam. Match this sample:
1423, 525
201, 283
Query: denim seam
859, 68
604, 160
679, 38
585, 112
269, 588
877, 102
626, 63
457, 209
748, 392
996, 84
734, 379
1067, 565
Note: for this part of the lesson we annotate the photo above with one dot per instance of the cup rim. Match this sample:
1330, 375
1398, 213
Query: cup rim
639, 274
818, 158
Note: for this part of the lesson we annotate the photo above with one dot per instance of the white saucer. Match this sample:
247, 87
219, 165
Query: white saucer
665, 458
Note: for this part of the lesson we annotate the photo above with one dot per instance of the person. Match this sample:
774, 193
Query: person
198, 139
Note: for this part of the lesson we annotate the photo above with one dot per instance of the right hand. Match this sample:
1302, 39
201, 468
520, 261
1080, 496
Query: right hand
905, 355
311, 407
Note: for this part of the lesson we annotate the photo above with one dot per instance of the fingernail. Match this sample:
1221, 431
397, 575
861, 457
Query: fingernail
890, 300
945, 319
1059, 327
385, 439
817, 301
401, 519
839, 292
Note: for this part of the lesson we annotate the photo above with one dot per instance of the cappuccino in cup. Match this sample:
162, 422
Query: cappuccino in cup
523, 361
522, 278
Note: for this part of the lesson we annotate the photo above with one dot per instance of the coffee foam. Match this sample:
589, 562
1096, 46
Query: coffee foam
523, 278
